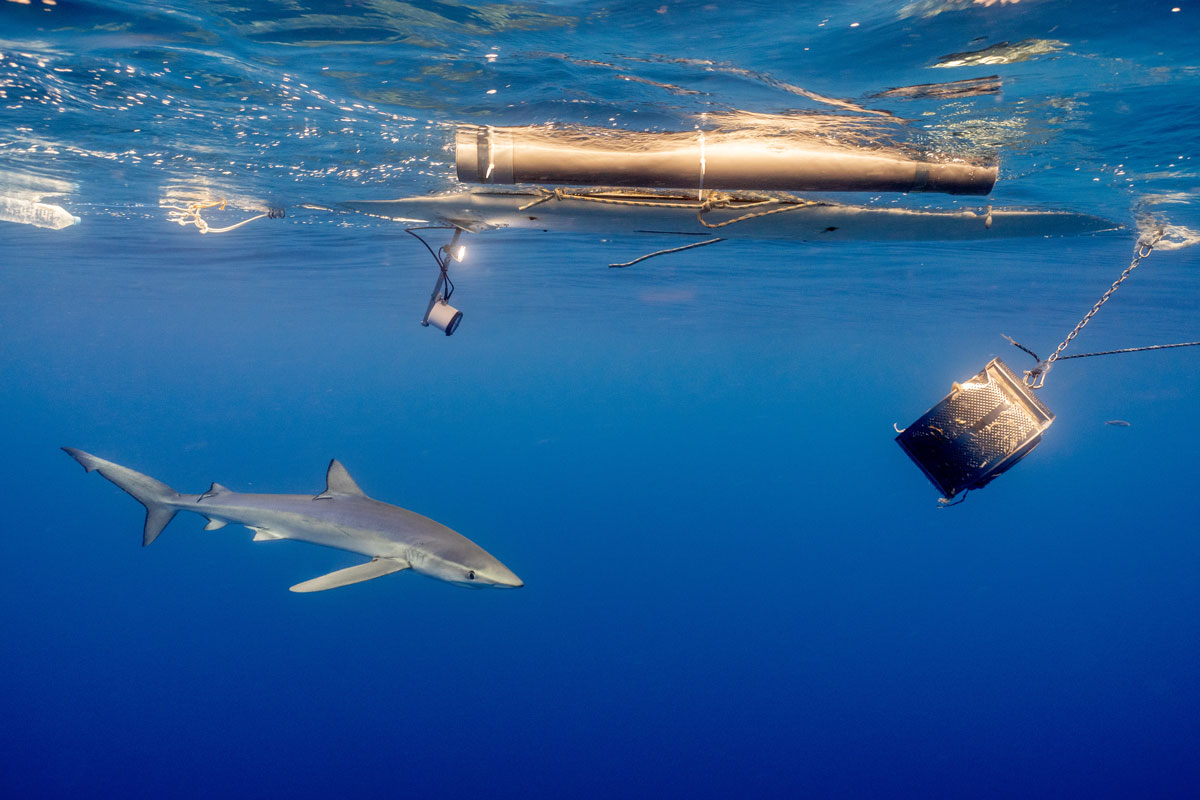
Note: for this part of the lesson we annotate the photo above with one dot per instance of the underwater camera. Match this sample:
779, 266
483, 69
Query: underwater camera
443, 316
439, 313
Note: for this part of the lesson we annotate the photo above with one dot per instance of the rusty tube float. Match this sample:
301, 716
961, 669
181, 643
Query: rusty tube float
699, 160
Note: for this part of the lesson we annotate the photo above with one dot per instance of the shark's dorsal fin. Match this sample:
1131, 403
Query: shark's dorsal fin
338, 483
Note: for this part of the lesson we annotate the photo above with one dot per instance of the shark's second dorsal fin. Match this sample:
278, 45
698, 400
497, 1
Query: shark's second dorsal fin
338, 483
213, 491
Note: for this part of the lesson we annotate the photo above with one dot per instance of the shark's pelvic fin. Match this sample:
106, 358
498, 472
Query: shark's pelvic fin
264, 535
156, 496
338, 483
214, 524
374, 568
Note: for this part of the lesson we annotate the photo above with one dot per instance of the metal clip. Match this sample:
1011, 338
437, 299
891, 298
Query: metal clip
1035, 378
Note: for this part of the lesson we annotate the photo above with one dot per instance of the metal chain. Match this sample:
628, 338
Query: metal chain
1143, 249
1036, 378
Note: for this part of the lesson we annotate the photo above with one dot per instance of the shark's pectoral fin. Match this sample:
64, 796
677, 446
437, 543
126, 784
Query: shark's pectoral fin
374, 568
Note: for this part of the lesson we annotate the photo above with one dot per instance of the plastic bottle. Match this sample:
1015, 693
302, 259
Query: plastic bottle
41, 215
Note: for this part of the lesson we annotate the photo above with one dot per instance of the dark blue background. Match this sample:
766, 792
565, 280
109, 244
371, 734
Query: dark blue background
736, 581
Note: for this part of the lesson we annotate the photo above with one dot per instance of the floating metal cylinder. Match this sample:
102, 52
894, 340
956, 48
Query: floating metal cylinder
698, 160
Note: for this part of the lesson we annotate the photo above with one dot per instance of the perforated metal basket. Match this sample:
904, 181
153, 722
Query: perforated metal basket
979, 430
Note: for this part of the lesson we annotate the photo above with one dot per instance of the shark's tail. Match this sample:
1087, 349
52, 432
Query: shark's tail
156, 496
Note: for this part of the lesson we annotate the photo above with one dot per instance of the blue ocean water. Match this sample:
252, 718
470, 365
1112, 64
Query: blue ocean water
736, 583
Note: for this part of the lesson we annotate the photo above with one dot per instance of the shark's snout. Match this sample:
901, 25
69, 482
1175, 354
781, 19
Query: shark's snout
505, 578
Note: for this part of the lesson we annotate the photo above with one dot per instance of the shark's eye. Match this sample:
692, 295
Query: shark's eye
471, 575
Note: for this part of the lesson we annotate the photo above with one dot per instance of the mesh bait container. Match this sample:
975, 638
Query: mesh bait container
979, 430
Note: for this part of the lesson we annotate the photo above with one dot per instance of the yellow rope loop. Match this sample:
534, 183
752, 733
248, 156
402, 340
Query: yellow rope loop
621, 201
533, 203
546, 194
190, 215
754, 214
710, 200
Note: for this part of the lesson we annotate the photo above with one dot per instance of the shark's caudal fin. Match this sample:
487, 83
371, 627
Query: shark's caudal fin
154, 495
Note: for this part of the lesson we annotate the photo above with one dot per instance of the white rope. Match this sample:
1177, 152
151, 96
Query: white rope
665, 252
190, 215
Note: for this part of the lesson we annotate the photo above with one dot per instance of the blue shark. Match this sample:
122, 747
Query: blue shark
342, 517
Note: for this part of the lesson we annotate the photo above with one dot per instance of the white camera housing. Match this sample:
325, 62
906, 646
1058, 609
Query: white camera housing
444, 317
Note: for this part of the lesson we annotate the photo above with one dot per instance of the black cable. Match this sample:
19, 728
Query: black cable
1131, 350
442, 262
427, 247
1020, 346
944, 503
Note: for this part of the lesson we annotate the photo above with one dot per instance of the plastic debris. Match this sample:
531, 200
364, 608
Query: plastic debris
40, 215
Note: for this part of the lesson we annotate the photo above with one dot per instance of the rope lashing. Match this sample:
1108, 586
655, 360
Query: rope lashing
711, 201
